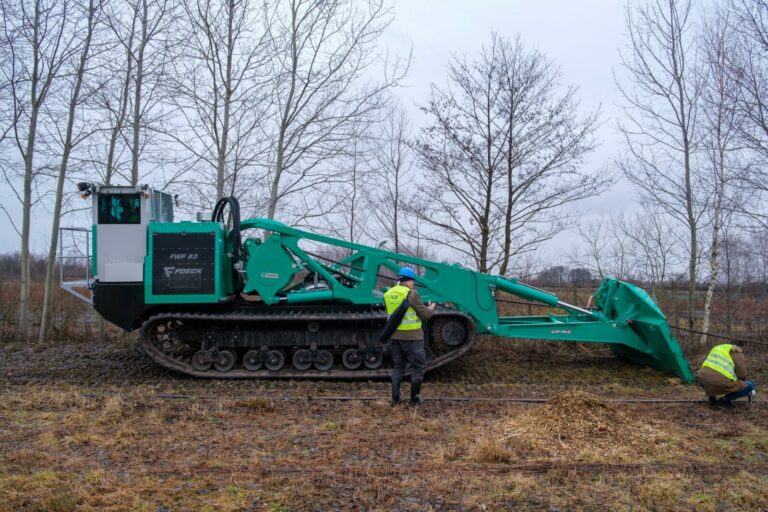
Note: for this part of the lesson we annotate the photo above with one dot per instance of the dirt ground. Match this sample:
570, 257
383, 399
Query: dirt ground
107, 429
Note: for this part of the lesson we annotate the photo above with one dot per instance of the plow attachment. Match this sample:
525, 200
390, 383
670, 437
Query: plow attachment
633, 307
624, 317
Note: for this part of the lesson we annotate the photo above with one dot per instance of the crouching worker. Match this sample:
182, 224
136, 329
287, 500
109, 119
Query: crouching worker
407, 342
723, 374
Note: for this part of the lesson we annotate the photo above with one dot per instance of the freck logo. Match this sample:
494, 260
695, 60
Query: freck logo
173, 271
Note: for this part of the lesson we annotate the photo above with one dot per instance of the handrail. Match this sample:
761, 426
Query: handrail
73, 287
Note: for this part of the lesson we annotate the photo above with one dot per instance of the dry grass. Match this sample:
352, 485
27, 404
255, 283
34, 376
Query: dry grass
124, 452
490, 450
112, 444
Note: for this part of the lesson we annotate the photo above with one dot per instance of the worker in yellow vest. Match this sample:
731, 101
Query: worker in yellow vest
723, 374
407, 342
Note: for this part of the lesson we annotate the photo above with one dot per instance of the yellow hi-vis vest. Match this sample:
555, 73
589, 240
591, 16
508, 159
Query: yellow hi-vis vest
720, 360
393, 298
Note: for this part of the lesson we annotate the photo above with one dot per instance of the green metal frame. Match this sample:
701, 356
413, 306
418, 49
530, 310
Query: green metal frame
624, 316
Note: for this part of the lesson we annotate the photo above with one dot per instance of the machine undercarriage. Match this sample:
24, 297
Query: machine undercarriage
310, 341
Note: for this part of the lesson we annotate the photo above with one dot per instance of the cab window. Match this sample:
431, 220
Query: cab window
119, 209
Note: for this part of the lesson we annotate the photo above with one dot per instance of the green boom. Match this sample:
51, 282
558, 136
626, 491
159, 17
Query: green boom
623, 315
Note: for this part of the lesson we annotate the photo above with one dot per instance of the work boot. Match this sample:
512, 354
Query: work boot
416, 393
395, 393
725, 404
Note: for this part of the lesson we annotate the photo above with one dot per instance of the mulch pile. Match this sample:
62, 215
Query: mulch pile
575, 419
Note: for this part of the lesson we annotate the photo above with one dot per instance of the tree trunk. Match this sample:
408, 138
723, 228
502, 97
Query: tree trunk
285, 120
693, 245
124, 95
396, 209
74, 99
713, 258
728, 296
137, 94
683, 114
24, 315
353, 199
221, 167
508, 210
713, 268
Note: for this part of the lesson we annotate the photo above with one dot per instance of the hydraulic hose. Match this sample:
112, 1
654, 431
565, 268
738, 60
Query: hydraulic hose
234, 210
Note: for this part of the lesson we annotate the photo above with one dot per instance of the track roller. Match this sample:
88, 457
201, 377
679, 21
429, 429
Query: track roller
202, 361
275, 361
225, 361
351, 359
323, 361
373, 359
301, 360
254, 359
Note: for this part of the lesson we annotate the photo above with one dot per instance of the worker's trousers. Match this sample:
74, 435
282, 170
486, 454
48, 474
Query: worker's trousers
744, 392
404, 352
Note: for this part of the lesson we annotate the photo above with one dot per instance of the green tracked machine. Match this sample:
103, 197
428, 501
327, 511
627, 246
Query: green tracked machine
289, 303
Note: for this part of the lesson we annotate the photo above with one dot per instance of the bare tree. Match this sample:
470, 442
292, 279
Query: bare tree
155, 19
751, 22
605, 248
321, 96
655, 246
220, 89
36, 35
126, 104
662, 91
750, 72
733, 251
502, 156
111, 97
354, 207
544, 143
595, 240
394, 174
761, 250
83, 36
459, 152
722, 121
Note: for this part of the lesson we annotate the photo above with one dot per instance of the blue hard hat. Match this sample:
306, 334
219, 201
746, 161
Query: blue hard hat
407, 272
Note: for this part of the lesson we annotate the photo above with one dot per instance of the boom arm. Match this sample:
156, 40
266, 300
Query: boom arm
624, 316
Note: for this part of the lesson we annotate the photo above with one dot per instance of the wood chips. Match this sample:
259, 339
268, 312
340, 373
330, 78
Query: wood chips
575, 419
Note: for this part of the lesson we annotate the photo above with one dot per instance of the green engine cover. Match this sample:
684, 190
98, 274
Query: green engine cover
187, 263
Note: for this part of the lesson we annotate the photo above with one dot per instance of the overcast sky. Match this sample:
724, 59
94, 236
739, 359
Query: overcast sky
583, 38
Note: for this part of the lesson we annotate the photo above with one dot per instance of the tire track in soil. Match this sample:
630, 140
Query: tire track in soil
349, 471
83, 364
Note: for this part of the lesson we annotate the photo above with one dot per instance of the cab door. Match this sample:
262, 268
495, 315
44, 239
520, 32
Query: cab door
121, 215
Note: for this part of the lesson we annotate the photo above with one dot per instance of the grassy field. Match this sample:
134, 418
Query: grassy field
106, 429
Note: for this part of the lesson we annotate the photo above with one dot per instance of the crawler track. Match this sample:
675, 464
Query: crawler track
354, 472
174, 338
